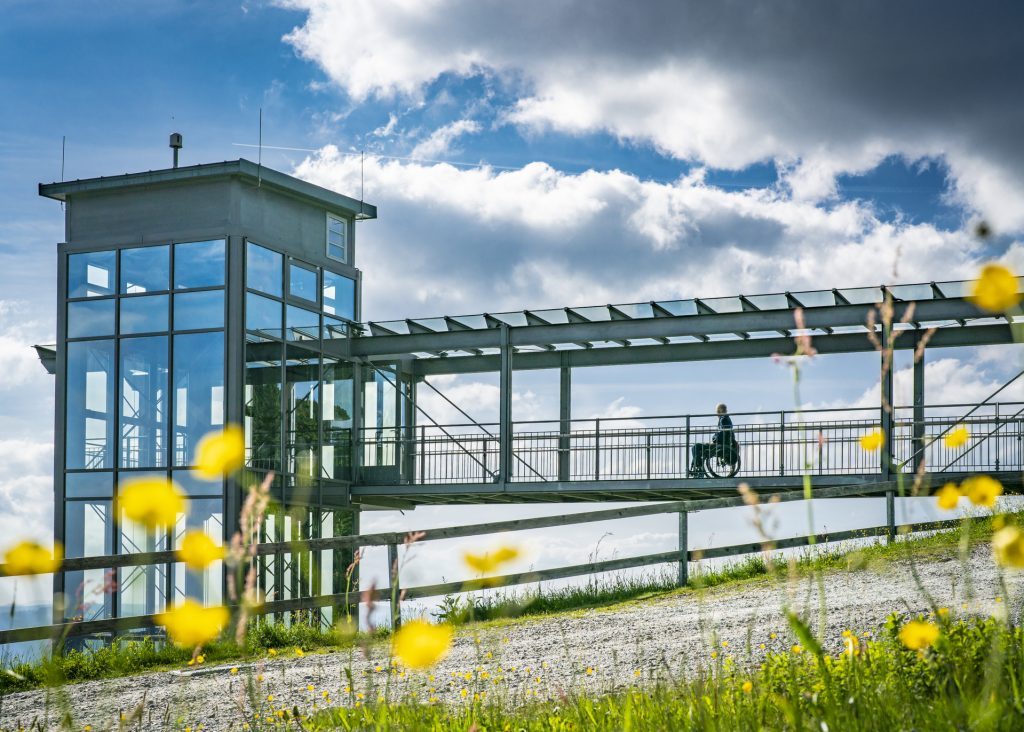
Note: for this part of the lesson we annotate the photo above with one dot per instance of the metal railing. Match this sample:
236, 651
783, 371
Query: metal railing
277, 553
785, 443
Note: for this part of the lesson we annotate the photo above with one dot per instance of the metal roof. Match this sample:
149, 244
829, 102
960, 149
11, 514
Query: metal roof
686, 329
240, 168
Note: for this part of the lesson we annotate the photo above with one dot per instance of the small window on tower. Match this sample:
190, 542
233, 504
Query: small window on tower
337, 238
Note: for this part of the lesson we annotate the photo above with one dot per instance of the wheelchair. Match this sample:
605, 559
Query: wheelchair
720, 461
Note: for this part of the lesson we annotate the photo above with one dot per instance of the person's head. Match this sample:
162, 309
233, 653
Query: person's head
721, 409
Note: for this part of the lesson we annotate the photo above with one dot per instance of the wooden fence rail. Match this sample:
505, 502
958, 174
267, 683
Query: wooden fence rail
393, 540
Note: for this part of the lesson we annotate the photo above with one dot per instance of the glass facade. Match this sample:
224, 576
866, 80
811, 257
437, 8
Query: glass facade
145, 360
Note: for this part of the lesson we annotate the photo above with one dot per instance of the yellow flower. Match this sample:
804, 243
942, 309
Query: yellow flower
234, 670
153, 502
918, 634
982, 490
957, 437
798, 648
191, 624
29, 557
872, 441
419, 644
299, 652
948, 497
490, 562
995, 289
220, 453
747, 687
271, 652
198, 551
1008, 547
200, 658
590, 671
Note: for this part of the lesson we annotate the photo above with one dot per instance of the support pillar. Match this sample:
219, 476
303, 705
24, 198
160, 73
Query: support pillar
409, 430
395, 588
918, 432
890, 516
357, 422
564, 419
886, 409
684, 551
505, 409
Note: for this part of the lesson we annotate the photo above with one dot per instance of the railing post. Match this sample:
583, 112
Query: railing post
647, 453
684, 550
997, 437
483, 466
597, 449
422, 453
395, 587
782, 443
688, 466
564, 419
890, 516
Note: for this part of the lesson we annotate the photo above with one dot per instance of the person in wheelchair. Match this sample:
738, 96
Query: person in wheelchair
723, 444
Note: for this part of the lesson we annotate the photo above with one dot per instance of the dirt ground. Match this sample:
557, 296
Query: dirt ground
595, 650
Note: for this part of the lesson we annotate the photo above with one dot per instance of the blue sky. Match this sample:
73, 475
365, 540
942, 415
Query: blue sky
626, 153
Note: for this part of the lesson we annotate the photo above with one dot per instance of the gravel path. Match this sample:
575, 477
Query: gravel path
596, 650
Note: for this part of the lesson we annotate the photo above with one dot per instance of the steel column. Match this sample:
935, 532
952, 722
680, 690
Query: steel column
918, 429
395, 586
505, 408
564, 419
890, 516
886, 380
409, 430
684, 550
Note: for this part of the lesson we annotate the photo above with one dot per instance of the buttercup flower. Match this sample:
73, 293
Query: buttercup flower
190, 624
948, 497
983, 490
29, 557
918, 634
957, 437
747, 687
995, 289
153, 502
220, 453
198, 551
1008, 547
872, 441
419, 644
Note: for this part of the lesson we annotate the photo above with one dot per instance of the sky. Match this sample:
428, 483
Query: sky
538, 154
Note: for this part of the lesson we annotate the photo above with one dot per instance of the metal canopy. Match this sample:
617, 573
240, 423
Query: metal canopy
742, 326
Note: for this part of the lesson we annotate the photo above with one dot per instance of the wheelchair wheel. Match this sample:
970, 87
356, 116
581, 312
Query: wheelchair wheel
721, 466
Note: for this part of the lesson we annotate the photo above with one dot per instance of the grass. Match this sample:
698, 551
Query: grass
127, 657
969, 679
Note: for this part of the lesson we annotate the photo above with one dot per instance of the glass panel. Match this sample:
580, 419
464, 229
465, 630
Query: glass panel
198, 391
205, 515
193, 485
302, 283
146, 269
334, 328
263, 315
336, 239
303, 325
142, 589
303, 403
143, 314
199, 264
194, 310
89, 485
91, 274
263, 406
87, 533
143, 423
88, 318
90, 405
337, 420
339, 295
263, 269
379, 431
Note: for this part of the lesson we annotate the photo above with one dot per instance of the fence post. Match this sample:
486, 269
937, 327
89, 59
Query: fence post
395, 587
684, 551
890, 516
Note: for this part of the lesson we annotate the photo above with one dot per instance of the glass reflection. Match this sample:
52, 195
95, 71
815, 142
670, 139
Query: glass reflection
141, 590
302, 283
198, 391
87, 533
146, 269
91, 274
199, 264
143, 314
263, 315
143, 422
263, 406
339, 295
205, 515
337, 420
90, 405
264, 269
195, 310
303, 325
303, 400
98, 484
89, 318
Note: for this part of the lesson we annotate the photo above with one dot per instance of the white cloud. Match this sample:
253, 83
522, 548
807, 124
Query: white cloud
819, 89
439, 143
